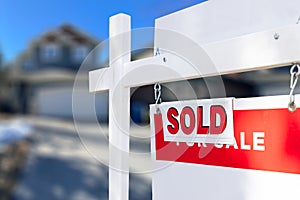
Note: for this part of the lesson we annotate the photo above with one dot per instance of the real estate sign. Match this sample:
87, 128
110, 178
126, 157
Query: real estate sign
263, 162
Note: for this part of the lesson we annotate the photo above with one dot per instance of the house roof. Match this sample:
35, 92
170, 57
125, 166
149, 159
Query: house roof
66, 34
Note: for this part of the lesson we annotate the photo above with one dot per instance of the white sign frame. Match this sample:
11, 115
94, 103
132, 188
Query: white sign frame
255, 42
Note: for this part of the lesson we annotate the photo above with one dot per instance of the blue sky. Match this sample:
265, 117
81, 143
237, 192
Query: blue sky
22, 21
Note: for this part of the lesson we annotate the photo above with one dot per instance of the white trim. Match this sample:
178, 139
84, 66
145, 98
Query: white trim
269, 102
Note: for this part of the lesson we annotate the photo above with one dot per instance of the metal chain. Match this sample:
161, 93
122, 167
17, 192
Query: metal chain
157, 96
295, 72
157, 93
157, 89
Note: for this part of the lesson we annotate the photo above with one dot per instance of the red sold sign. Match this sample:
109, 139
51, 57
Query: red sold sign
209, 121
187, 111
265, 139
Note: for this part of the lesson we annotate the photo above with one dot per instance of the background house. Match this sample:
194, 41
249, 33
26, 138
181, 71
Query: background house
64, 47
41, 79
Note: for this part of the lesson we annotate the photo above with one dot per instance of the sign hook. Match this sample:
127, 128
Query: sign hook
295, 72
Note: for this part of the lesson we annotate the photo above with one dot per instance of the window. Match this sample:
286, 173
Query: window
50, 52
27, 65
79, 53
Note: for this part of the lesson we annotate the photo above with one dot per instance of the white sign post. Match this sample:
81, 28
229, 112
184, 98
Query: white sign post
237, 52
119, 101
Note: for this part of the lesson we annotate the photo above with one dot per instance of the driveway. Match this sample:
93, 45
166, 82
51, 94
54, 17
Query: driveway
60, 167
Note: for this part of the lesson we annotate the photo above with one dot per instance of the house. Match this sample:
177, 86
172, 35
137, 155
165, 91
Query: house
41, 79
62, 48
